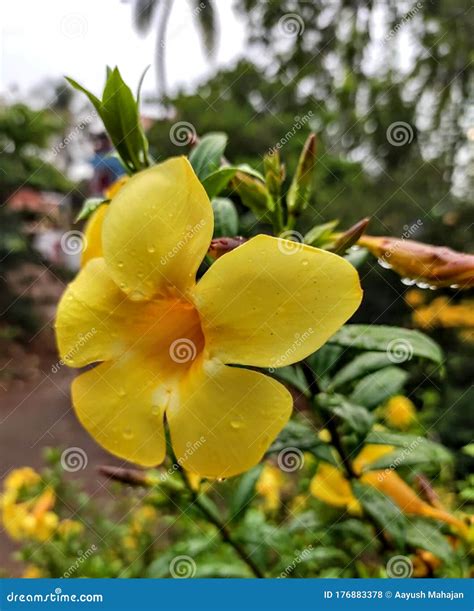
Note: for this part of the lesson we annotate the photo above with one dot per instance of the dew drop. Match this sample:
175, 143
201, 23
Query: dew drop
120, 264
136, 296
408, 281
304, 263
454, 286
221, 479
151, 249
128, 434
384, 264
236, 424
422, 285
155, 410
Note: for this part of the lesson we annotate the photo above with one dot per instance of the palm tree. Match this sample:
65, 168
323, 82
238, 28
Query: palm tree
145, 12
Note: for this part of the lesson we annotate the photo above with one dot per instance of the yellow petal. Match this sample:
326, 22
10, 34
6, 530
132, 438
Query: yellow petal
93, 235
158, 230
96, 321
370, 454
271, 302
330, 486
119, 404
225, 418
391, 484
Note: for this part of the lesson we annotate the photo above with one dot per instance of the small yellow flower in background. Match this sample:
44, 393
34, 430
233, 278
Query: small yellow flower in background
400, 413
298, 503
32, 519
165, 341
32, 572
143, 518
441, 312
330, 486
22, 477
269, 486
70, 528
415, 298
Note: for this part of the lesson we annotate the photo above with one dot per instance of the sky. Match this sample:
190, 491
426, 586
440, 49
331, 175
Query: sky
44, 39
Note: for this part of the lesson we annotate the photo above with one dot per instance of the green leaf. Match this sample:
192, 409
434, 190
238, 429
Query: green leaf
422, 534
392, 439
244, 492
253, 193
89, 206
320, 233
377, 387
401, 344
357, 417
226, 219
323, 362
301, 185
119, 112
293, 374
382, 510
305, 438
361, 365
217, 181
357, 256
207, 154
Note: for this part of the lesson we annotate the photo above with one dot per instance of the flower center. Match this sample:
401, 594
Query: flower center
178, 339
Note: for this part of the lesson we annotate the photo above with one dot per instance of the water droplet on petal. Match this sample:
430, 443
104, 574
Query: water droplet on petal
422, 285
151, 249
155, 410
454, 286
305, 262
408, 281
120, 264
384, 264
128, 434
236, 424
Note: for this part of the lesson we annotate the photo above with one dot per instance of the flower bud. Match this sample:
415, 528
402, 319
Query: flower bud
434, 265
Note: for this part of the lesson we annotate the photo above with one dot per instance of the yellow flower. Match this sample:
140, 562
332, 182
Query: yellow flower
400, 412
330, 486
17, 478
32, 519
269, 486
70, 528
166, 341
32, 572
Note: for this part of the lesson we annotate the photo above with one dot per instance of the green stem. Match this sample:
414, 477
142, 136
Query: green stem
222, 529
